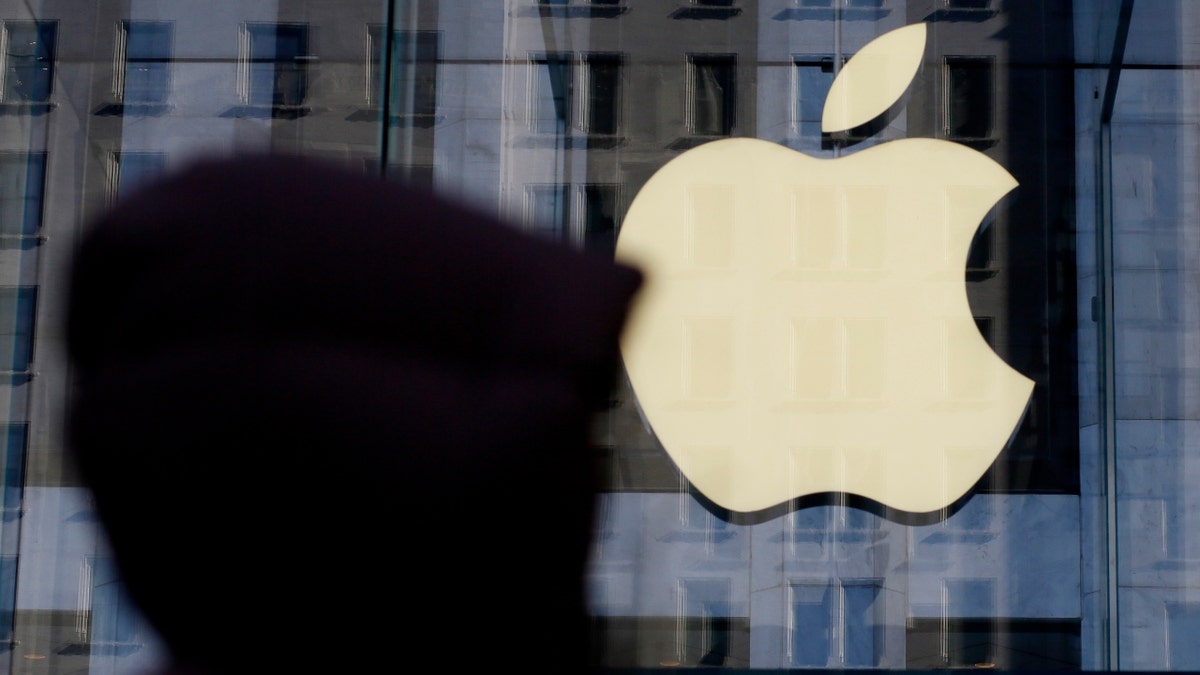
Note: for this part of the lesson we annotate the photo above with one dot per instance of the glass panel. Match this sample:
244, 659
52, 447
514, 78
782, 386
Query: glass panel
414, 85
21, 188
17, 310
29, 60
552, 83
134, 168
1073, 547
278, 64
603, 99
814, 75
714, 94
147, 61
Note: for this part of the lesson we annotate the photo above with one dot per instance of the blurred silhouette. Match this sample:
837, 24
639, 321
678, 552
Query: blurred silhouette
336, 423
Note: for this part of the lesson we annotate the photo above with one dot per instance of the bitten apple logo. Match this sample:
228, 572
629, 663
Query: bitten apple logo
804, 326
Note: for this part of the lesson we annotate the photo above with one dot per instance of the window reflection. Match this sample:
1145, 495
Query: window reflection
22, 177
275, 58
29, 60
144, 52
713, 94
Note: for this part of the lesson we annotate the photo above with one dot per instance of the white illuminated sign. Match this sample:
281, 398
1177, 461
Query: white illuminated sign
804, 325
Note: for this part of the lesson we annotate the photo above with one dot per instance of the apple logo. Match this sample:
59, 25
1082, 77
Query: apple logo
804, 325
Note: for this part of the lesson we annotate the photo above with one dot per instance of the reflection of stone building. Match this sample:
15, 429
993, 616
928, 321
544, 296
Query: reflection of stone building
555, 113
97, 97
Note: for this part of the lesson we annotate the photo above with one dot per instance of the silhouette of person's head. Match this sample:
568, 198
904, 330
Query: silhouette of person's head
331, 421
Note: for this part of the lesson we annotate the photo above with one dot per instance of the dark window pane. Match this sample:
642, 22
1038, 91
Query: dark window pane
22, 177
713, 95
17, 309
603, 73
29, 60
600, 218
14, 437
969, 90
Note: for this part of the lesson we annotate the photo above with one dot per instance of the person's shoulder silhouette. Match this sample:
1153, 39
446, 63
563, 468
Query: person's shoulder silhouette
331, 421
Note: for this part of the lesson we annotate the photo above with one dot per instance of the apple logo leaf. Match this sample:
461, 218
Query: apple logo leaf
874, 79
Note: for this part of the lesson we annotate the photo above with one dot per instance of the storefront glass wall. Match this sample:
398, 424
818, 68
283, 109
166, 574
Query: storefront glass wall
1075, 550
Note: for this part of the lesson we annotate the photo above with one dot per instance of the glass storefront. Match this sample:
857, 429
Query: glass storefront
1072, 550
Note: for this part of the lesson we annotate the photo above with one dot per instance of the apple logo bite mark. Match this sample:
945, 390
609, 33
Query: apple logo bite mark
804, 324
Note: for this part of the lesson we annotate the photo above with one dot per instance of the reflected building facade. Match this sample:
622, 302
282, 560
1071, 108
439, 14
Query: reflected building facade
1071, 552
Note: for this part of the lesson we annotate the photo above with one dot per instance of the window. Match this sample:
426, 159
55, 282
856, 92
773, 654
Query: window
17, 310
550, 111
22, 177
14, 437
127, 170
143, 61
813, 76
415, 55
968, 86
28, 60
274, 64
600, 218
837, 625
703, 636
713, 95
602, 76
584, 97
547, 211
